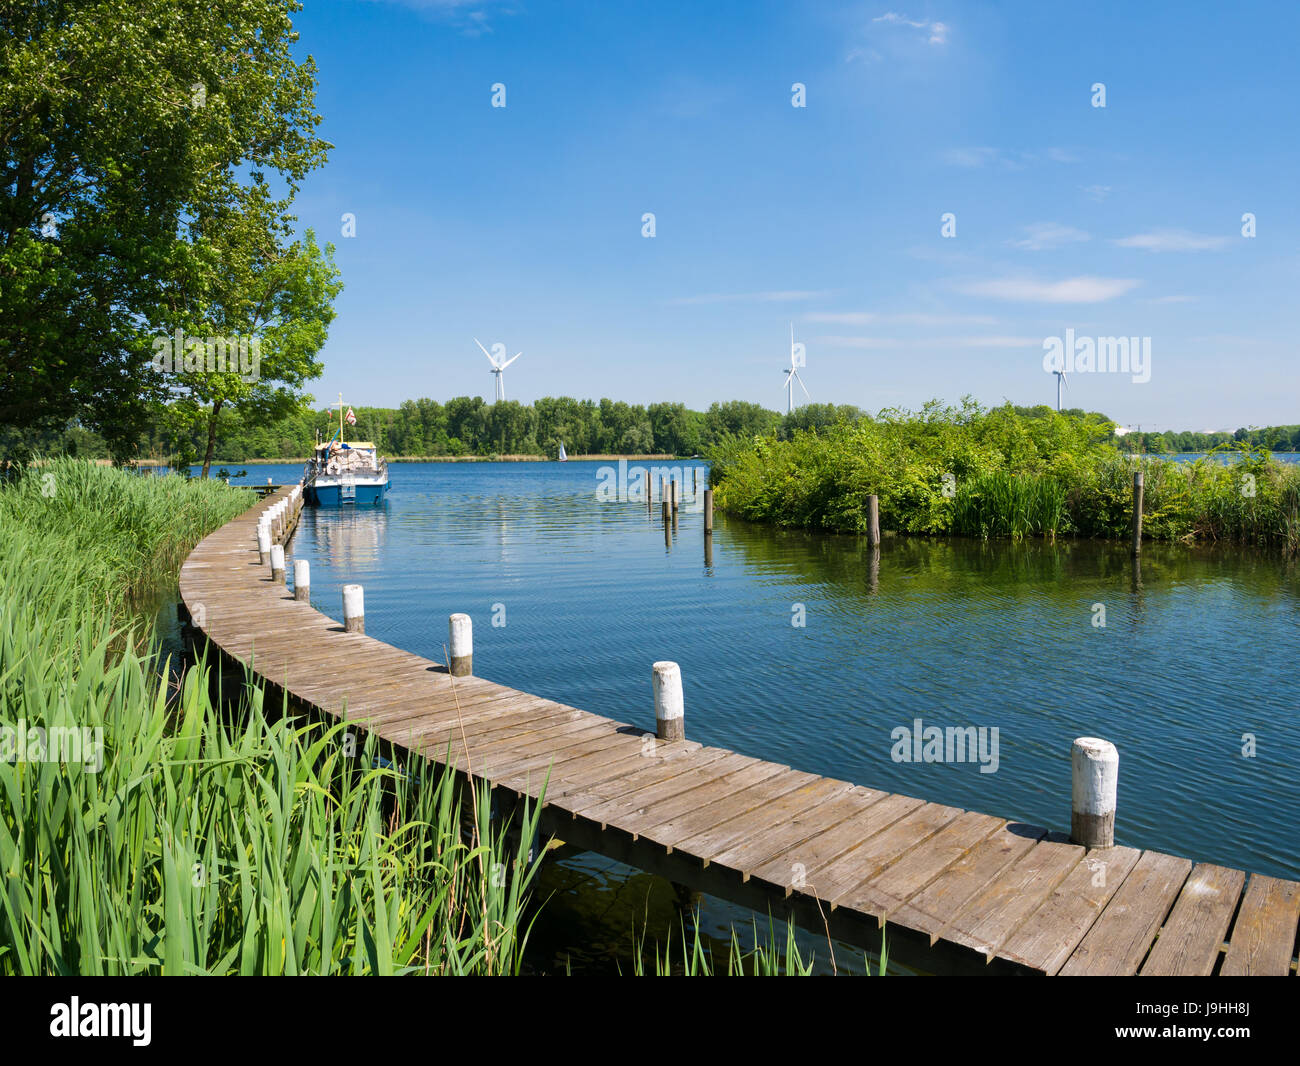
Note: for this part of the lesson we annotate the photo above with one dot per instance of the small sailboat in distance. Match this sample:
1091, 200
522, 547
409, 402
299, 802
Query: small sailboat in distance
564, 458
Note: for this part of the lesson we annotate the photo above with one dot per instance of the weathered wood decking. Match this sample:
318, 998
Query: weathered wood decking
963, 889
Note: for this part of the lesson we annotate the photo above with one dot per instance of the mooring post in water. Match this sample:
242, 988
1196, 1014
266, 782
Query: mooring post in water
1138, 489
708, 512
462, 645
1094, 766
677, 497
873, 519
263, 543
277, 563
354, 609
665, 510
670, 721
302, 580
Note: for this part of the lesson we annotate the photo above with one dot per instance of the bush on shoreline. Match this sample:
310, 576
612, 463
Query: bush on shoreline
996, 473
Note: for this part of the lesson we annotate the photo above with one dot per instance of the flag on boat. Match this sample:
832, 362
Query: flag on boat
351, 418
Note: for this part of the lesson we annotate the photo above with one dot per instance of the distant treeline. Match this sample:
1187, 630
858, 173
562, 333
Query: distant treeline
463, 426
469, 426
1273, 438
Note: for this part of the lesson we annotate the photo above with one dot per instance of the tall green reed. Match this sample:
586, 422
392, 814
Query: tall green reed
193, 836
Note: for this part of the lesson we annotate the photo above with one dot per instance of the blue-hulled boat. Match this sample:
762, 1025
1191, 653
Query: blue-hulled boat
345, 473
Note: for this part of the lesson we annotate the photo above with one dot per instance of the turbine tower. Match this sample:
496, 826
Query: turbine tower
792, 375
498, 370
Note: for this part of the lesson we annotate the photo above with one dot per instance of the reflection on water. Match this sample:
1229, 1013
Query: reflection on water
1197, 653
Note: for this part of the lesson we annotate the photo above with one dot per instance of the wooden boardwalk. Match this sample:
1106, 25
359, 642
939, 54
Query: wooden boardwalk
956, 890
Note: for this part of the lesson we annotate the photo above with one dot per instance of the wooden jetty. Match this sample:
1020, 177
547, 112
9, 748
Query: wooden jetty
955, 890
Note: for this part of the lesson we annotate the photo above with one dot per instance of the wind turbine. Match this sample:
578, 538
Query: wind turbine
792, 375
1060, 380
498, 370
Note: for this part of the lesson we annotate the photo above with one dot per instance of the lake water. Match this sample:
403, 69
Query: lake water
1198, 654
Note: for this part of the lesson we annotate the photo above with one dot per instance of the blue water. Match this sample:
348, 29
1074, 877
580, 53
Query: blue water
1199, 651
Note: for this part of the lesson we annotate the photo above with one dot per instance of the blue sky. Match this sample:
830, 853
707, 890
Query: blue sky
522, 225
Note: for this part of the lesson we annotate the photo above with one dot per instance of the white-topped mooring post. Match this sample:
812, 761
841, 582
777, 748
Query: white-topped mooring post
354, 609
670, 708
461, 631
1094, 766
277, 563
302, 580
263, 543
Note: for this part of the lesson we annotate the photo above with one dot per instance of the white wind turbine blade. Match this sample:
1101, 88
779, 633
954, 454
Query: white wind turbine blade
511, 360
802, 385
1065, 379
486, 352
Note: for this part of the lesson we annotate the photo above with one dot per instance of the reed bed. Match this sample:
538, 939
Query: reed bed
999, 474
174, 830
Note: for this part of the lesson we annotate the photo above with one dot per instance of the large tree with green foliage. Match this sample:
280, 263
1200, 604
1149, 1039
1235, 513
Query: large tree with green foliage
123, 125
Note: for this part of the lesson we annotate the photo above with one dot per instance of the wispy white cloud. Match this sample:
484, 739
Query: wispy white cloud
1096, 192
1043, 235
1172, 240
982, 156
936, 32
867, 318
471, 17
776, 296
1080, 290
927, 343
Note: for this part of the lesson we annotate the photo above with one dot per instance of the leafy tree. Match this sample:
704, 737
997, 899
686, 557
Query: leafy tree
123, 120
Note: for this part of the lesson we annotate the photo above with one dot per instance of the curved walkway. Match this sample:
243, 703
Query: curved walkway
955, 887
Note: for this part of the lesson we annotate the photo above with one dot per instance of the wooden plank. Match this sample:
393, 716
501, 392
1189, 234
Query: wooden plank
717, 809
645, 773
891, 886
1048, 936
798, 829
609, 771
767, 821
849, 870
731, 771
792, 868
996, 912
933, 908
1191, 939
1264, 934
1121, 937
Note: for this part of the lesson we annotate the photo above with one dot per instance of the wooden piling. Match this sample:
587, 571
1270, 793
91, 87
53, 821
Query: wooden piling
302, 580
873, 519
670, 721
1138, 492
277, 563
708, 512
1094, 766
354, 609
461, 631
263, 544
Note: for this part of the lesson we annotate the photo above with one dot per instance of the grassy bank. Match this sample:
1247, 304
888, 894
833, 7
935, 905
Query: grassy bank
148, 829
996, 473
